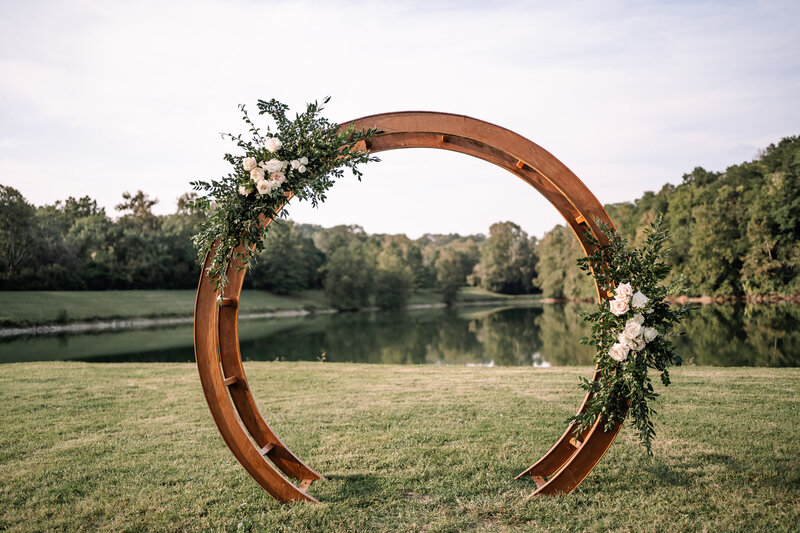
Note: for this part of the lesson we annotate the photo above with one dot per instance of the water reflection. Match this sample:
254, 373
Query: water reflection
721, 335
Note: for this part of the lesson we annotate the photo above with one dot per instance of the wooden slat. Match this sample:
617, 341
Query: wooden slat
266, 449
539, 480
580, 220
575, 442
230, 381
305, 484
229, 302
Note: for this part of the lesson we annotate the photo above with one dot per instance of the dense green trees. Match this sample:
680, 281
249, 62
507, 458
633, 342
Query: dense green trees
734, 233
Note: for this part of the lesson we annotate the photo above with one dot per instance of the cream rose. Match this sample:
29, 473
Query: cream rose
295, 164
249, 163
639, 300
624, 291
278, 178
244, 190
303, 160
638, 318
619, 352
264, 187
619, 307
301, 169
273, 144
649, 334
257, 174
273, 165
632, 329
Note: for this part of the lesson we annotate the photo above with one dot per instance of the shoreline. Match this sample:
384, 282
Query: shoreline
132, 323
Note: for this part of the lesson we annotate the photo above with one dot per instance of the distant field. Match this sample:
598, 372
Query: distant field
113, 447
25, 308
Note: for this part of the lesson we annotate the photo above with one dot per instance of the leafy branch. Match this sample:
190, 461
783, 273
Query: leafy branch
631, 332
303, 158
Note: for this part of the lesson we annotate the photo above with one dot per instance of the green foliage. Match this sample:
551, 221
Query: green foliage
507, 260
622, 385
235, 224
394, 279
17, 229
349, 278
449, 274
288, 262
556, 275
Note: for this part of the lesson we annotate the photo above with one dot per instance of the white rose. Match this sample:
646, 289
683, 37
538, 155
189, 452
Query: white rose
632, 329
637, 343
301, 169
273, 144
303, 160
624, 291
257, 174
295, 164
264, 187
639, 300
278, 178
619, 307
249, 163
650, 334
273, 165
638, 318
619, 352
244, 190
284, 166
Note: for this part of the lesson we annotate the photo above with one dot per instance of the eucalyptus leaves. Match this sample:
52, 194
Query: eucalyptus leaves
302, 158
631, 331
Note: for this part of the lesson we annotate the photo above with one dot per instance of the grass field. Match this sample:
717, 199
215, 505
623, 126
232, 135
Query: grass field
27, 308
405, 448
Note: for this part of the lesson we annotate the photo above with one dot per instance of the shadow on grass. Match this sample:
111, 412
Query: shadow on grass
355, 488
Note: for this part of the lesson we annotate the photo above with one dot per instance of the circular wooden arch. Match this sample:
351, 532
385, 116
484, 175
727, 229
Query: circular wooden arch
216, 339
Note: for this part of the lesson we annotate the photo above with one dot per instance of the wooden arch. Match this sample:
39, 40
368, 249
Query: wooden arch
216, 338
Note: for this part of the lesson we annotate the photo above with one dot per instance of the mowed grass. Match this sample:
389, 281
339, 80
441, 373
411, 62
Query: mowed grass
405, 448
133, 447
26, 308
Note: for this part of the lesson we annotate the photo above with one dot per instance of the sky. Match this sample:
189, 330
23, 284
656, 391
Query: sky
101, 97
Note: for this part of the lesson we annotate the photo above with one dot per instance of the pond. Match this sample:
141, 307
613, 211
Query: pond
536, 335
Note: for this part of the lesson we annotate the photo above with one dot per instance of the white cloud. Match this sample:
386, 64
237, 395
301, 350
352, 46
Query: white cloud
132, 95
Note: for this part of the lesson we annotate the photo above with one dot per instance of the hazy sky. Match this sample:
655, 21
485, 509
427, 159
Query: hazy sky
97, 98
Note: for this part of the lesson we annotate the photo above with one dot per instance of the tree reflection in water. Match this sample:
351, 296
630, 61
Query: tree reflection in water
543, 335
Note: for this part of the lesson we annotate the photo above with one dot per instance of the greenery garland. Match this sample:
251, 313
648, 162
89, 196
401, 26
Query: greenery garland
302, 158
631, 331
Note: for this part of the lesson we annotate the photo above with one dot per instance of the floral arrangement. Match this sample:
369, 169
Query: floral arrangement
631, 331
302, 158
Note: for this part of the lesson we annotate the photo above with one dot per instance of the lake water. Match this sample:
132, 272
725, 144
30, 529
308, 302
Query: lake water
539, 335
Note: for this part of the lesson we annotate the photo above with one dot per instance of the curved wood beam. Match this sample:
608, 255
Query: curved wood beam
219, 361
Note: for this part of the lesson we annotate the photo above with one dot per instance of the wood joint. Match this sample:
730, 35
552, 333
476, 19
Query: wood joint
230, 381
266, 449
228, 302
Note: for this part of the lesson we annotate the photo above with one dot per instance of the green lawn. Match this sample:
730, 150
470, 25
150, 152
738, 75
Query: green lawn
25, 308
405, 448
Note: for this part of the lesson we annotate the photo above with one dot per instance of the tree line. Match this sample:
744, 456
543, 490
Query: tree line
75, 245
734, 233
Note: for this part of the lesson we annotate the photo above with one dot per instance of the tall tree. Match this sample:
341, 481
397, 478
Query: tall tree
507, 261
